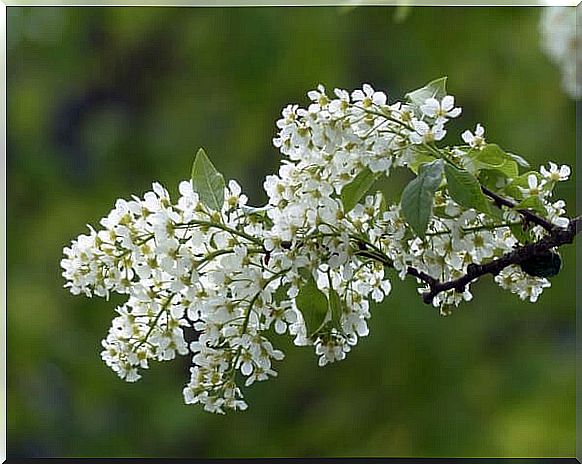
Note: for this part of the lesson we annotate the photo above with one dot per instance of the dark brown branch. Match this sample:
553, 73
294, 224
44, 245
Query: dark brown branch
527, 214
558, 236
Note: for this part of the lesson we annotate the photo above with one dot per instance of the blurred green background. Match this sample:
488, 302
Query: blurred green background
103, 101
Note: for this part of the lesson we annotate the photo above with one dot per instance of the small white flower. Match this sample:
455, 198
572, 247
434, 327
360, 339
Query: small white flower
341, 104
512, 278
425, 133
534, 188
368, 96
555, 212
560, 221
476, 140
555, 174
441, 110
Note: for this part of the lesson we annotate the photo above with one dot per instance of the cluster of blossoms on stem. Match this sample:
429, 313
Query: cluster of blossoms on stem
208, 276
562, 43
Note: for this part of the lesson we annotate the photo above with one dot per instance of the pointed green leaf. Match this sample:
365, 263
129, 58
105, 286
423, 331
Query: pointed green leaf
434, 89
207, 181
383, 205
418, 195
313, 304
494, 158
353, 192
534, 203
335, 308
465, 189
419, 159
492, 179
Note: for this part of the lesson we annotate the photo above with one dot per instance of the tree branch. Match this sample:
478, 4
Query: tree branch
526, 213
557, 237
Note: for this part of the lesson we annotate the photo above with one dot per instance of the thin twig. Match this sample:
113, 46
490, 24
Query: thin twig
526, 213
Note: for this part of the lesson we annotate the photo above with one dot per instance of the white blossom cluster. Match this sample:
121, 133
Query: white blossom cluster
217, 284
562, 43
334, 139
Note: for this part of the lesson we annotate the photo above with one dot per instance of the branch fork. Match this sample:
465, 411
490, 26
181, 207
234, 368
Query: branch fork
557, 236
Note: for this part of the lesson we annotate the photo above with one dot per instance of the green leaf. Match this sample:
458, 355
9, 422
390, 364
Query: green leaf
313, 304
418, 195
492, 179
353, 192
419, 158
281, 294
522, 235
383, 205
494, 158
335, 308
534, 203
465, 189
434, 89
497, 213
207, 181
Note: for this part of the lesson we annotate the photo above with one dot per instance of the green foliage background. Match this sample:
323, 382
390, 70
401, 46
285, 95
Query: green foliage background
102, 101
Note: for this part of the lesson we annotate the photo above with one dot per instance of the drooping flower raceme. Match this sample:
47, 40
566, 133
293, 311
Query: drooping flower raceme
208, 276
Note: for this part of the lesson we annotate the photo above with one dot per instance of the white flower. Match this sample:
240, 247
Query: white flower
512, 278
476, 140
368, 96
319, 98
425, 133
233, 197
534, 188
341, 103
441, 110
480, 245
330, 350
555, 212
555, 174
